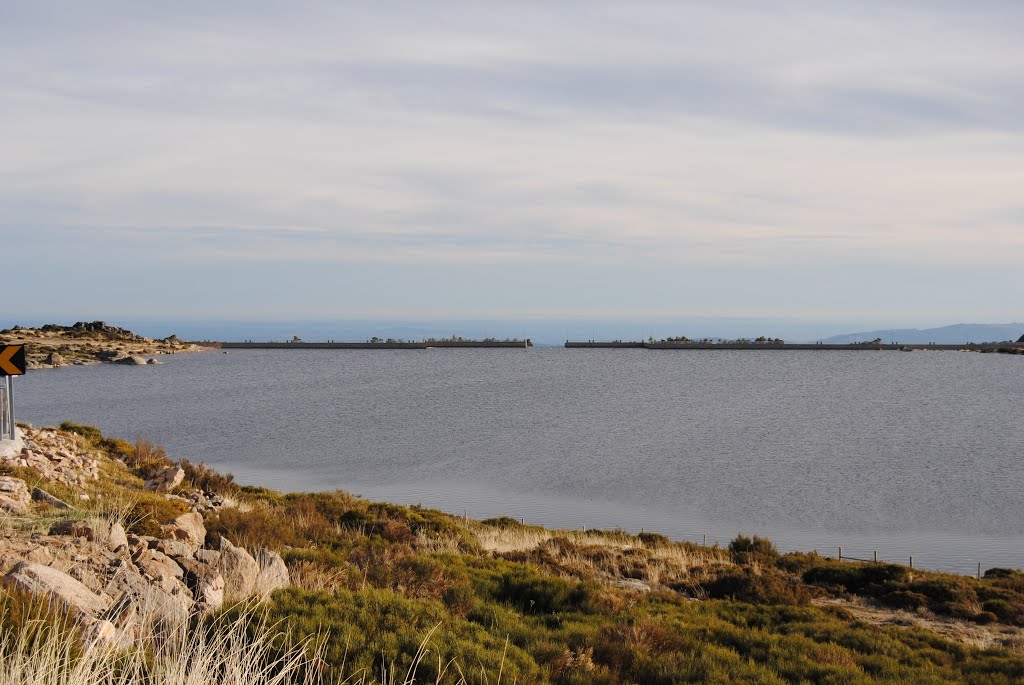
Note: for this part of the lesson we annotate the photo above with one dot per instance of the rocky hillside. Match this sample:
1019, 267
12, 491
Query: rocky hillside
118, 547
54, 345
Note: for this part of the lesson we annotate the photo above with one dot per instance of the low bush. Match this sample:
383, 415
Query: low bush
91, 433
747, 550
758, 588
209, 481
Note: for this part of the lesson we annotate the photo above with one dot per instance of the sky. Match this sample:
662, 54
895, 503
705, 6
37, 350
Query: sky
855, 163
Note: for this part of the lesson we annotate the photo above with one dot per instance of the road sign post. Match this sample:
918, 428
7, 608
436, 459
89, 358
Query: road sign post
12, 363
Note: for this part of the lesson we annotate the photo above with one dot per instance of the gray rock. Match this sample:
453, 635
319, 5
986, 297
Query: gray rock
171, 605
239, 569
176, 550
205, 582
48, 582
153, 360
166, 479
133, 360
188, 529
159, 567
273, 572
632, 584
208, 556
14, 495
54, 359
40, 495
116, 537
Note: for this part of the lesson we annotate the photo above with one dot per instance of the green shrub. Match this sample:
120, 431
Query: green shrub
746, 586
858, 578
529, 591
368, 629
91, 433
746, 550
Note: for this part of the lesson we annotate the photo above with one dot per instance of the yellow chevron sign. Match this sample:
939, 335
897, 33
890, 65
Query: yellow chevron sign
12, 360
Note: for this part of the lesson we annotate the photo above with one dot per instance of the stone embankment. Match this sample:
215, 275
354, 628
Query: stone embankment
53, 345
78, 556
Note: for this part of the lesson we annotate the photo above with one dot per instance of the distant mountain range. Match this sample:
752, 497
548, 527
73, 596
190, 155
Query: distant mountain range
946, 335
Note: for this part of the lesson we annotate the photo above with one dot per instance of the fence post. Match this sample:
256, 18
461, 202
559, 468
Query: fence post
876, 556
979, 570
705, 543
911, 562
840, 552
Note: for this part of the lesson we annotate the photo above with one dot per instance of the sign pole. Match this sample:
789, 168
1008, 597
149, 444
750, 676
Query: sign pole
4, 413
10, 405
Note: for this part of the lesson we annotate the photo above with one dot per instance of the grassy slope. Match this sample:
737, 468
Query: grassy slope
374, 580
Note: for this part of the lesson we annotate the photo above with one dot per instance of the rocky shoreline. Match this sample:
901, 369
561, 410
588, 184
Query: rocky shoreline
55, 346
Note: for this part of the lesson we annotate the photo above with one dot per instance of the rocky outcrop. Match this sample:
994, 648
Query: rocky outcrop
14, 495
55, 456
132, 360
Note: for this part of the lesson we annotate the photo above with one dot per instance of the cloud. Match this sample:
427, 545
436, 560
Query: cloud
644, 136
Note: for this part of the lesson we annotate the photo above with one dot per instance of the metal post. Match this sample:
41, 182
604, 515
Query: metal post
10, 405
4, 415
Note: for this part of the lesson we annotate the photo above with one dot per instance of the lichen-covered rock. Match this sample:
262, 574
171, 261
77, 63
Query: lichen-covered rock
239, 569
14, 495
48, 582
273, 572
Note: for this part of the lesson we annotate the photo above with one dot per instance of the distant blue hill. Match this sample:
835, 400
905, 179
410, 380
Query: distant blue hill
946, 335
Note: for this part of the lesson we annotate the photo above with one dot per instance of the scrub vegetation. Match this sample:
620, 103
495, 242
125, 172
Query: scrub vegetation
401, 594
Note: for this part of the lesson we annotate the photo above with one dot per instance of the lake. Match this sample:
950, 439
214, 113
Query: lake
901, 453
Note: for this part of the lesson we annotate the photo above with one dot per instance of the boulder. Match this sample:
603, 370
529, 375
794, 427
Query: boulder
273, 572
239, 569
205, 582
169, 605
208, 556
153, 360
166, 479
75, 529
158, 567
14, 495
132, 360
40, 495
632, 584
117, 539
174, 549
188, 529
48, 582
54, 359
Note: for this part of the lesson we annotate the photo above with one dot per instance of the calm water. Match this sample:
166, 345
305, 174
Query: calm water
905, 453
